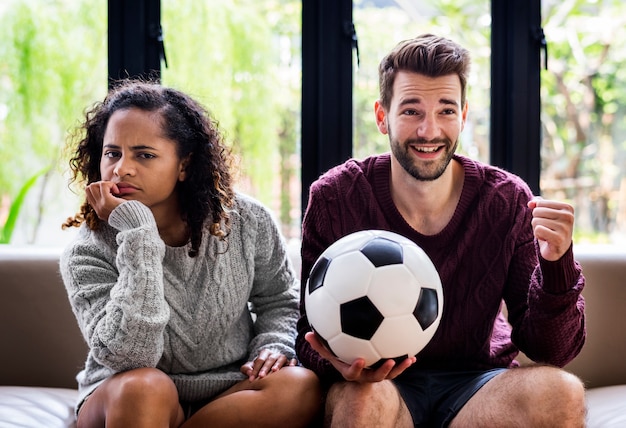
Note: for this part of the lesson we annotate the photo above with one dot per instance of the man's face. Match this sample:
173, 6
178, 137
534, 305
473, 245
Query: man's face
424, 122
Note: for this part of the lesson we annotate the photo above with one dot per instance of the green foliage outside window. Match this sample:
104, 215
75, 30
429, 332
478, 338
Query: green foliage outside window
583, 97
52, 64
242, 60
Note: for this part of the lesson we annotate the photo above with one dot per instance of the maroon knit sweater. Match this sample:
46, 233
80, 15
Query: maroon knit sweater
486, 254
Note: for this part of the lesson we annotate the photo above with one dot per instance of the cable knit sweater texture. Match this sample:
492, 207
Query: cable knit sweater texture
486, 254
140, 303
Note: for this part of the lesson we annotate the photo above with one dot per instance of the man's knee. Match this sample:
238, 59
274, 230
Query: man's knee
555, 384
567, 390
541, 396
552, 395
357, 392
366, 404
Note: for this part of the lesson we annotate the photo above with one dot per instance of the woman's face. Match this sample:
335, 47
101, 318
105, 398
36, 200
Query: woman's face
141, 161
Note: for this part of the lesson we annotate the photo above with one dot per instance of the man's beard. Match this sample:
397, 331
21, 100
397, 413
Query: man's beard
426, 170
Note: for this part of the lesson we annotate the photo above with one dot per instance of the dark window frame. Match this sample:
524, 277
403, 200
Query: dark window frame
515, 125
135, 44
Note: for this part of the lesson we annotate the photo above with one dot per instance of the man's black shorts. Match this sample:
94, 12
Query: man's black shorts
435, 397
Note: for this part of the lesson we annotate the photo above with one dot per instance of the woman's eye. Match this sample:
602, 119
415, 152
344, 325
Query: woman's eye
111, 154
146, 155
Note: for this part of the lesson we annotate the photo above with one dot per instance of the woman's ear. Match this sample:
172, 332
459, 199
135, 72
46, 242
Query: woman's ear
182, 172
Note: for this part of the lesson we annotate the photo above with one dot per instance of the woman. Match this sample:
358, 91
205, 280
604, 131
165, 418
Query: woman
169, 265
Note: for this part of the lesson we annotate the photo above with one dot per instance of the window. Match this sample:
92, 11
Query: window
52, 65
584, 132
409, 20
265, 68
242, 61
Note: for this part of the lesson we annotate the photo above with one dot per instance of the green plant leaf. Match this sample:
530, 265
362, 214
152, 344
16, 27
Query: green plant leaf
14, 210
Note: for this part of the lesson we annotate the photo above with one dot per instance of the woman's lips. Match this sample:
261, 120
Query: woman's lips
125, 189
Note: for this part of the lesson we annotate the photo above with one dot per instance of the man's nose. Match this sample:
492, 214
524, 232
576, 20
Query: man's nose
427, 128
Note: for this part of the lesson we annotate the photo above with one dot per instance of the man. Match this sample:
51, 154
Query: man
491, 241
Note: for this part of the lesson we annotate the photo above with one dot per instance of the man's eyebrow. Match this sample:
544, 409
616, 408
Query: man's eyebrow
411, 101
446, 101
449, 101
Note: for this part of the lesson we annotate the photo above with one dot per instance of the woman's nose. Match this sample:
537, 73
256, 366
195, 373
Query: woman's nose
123, 167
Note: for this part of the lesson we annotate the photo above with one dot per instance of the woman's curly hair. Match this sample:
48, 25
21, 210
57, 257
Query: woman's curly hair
207, 191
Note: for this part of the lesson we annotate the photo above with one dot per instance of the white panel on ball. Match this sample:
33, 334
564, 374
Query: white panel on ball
386, 340
346, 347
327, 322
349, 268
394, 290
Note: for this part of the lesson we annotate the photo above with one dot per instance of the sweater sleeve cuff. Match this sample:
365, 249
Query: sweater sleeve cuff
562, 275
131, 215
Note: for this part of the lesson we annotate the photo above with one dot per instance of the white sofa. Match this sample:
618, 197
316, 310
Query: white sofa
42, 349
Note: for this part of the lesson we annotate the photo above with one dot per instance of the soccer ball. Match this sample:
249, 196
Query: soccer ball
376, 295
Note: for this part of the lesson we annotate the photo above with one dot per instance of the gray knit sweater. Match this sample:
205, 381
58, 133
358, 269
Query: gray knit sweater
141, 303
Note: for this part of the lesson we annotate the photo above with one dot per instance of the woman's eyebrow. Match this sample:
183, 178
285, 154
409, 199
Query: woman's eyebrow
133, 148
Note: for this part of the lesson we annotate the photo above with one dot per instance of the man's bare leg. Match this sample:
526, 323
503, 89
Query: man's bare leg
535, 396
371, 404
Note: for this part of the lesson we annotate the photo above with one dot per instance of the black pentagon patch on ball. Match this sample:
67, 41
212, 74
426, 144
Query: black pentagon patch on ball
380, 362
383, 252
318, 273
427, 307
324, 341
360, 318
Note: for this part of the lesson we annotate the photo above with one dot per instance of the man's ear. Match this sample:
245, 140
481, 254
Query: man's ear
381, 117
464, 115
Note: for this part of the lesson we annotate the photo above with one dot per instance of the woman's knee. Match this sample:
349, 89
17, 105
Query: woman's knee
144, 384
140, 397
298, 382
299, 386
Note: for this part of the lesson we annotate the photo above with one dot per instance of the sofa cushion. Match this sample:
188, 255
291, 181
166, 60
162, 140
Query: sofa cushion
36, 321
37, 407
607, 407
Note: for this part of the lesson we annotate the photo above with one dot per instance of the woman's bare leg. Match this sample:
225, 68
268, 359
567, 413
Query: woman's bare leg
137, 398
289, 397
